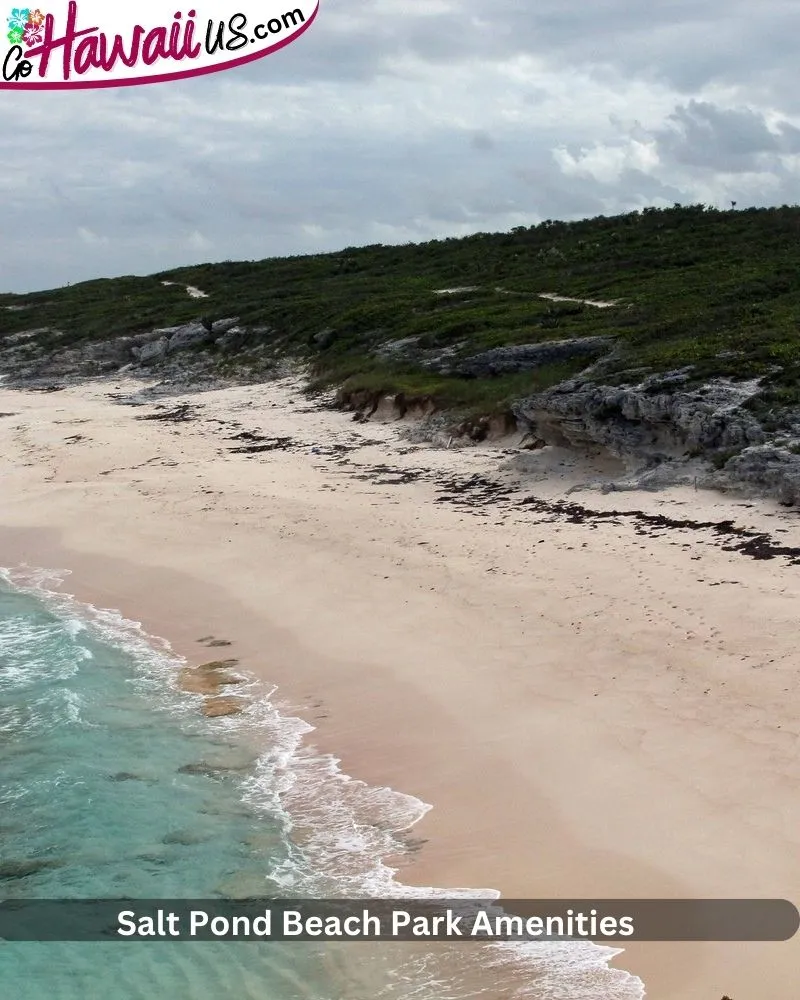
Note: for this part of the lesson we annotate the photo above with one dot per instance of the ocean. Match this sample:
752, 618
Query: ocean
113, 784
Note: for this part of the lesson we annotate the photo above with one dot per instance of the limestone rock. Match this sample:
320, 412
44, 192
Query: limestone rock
222, 326
12, 870
209, 677
774, 469
199, 682
155, 351
190, 335
643, 423
522, 357
213, 665
217, 707
233, 338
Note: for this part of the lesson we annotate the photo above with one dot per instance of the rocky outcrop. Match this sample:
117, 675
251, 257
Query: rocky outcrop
221, 326
40, 353
662, 422
487, 428
233, 340
209, 678
646, 423
664, 426
215, 708
771, 469
197, 682
11, 869
152, 353
189, 335
524, 357
237, 338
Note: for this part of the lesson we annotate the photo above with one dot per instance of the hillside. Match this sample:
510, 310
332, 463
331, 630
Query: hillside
683, 331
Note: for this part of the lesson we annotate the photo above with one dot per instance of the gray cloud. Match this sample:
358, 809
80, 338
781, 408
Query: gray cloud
390, 122
704, 135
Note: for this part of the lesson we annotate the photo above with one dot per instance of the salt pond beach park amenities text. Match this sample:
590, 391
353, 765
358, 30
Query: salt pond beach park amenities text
433, 919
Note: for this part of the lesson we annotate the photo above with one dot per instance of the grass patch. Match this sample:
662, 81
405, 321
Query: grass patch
467, 397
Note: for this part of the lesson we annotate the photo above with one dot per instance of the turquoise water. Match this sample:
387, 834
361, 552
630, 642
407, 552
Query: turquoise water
112, 783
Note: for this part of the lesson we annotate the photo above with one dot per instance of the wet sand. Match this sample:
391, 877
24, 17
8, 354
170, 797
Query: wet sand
595, 705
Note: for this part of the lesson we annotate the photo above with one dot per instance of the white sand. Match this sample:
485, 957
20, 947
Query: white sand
591, 711
191, 291
597, 303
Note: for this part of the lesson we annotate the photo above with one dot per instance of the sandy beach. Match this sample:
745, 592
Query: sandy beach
595, 704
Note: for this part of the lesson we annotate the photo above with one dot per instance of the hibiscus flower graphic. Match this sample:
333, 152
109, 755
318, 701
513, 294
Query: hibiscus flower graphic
19, 18
33, 34
36, 17
15, 36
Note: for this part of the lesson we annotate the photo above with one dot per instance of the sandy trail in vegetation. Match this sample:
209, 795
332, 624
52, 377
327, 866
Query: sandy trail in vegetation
597, 303
595, 706
586, 302
191, 291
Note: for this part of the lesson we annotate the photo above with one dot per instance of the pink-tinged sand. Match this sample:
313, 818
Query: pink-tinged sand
591, 712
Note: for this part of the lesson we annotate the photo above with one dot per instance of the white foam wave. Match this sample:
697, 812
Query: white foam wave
74, 627
72, 702
339, 829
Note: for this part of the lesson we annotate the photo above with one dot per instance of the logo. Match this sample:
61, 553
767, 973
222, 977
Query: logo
91, 43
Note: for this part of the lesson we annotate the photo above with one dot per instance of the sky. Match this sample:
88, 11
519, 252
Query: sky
395, 121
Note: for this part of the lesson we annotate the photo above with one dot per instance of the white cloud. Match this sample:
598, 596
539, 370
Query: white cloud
606, 164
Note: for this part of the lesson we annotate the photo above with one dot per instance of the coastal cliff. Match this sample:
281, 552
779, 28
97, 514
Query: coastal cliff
665, 338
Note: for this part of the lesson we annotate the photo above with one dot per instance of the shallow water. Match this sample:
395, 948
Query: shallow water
113, 784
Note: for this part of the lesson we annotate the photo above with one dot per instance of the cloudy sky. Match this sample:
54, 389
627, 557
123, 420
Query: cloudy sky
401, 120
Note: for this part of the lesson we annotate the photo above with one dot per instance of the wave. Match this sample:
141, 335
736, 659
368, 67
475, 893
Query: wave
338, 830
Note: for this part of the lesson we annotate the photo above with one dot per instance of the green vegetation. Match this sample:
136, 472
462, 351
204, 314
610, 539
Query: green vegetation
719, 458
472, 396
715, 292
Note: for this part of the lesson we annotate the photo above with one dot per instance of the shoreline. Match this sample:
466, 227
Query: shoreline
79, 574
509, 676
